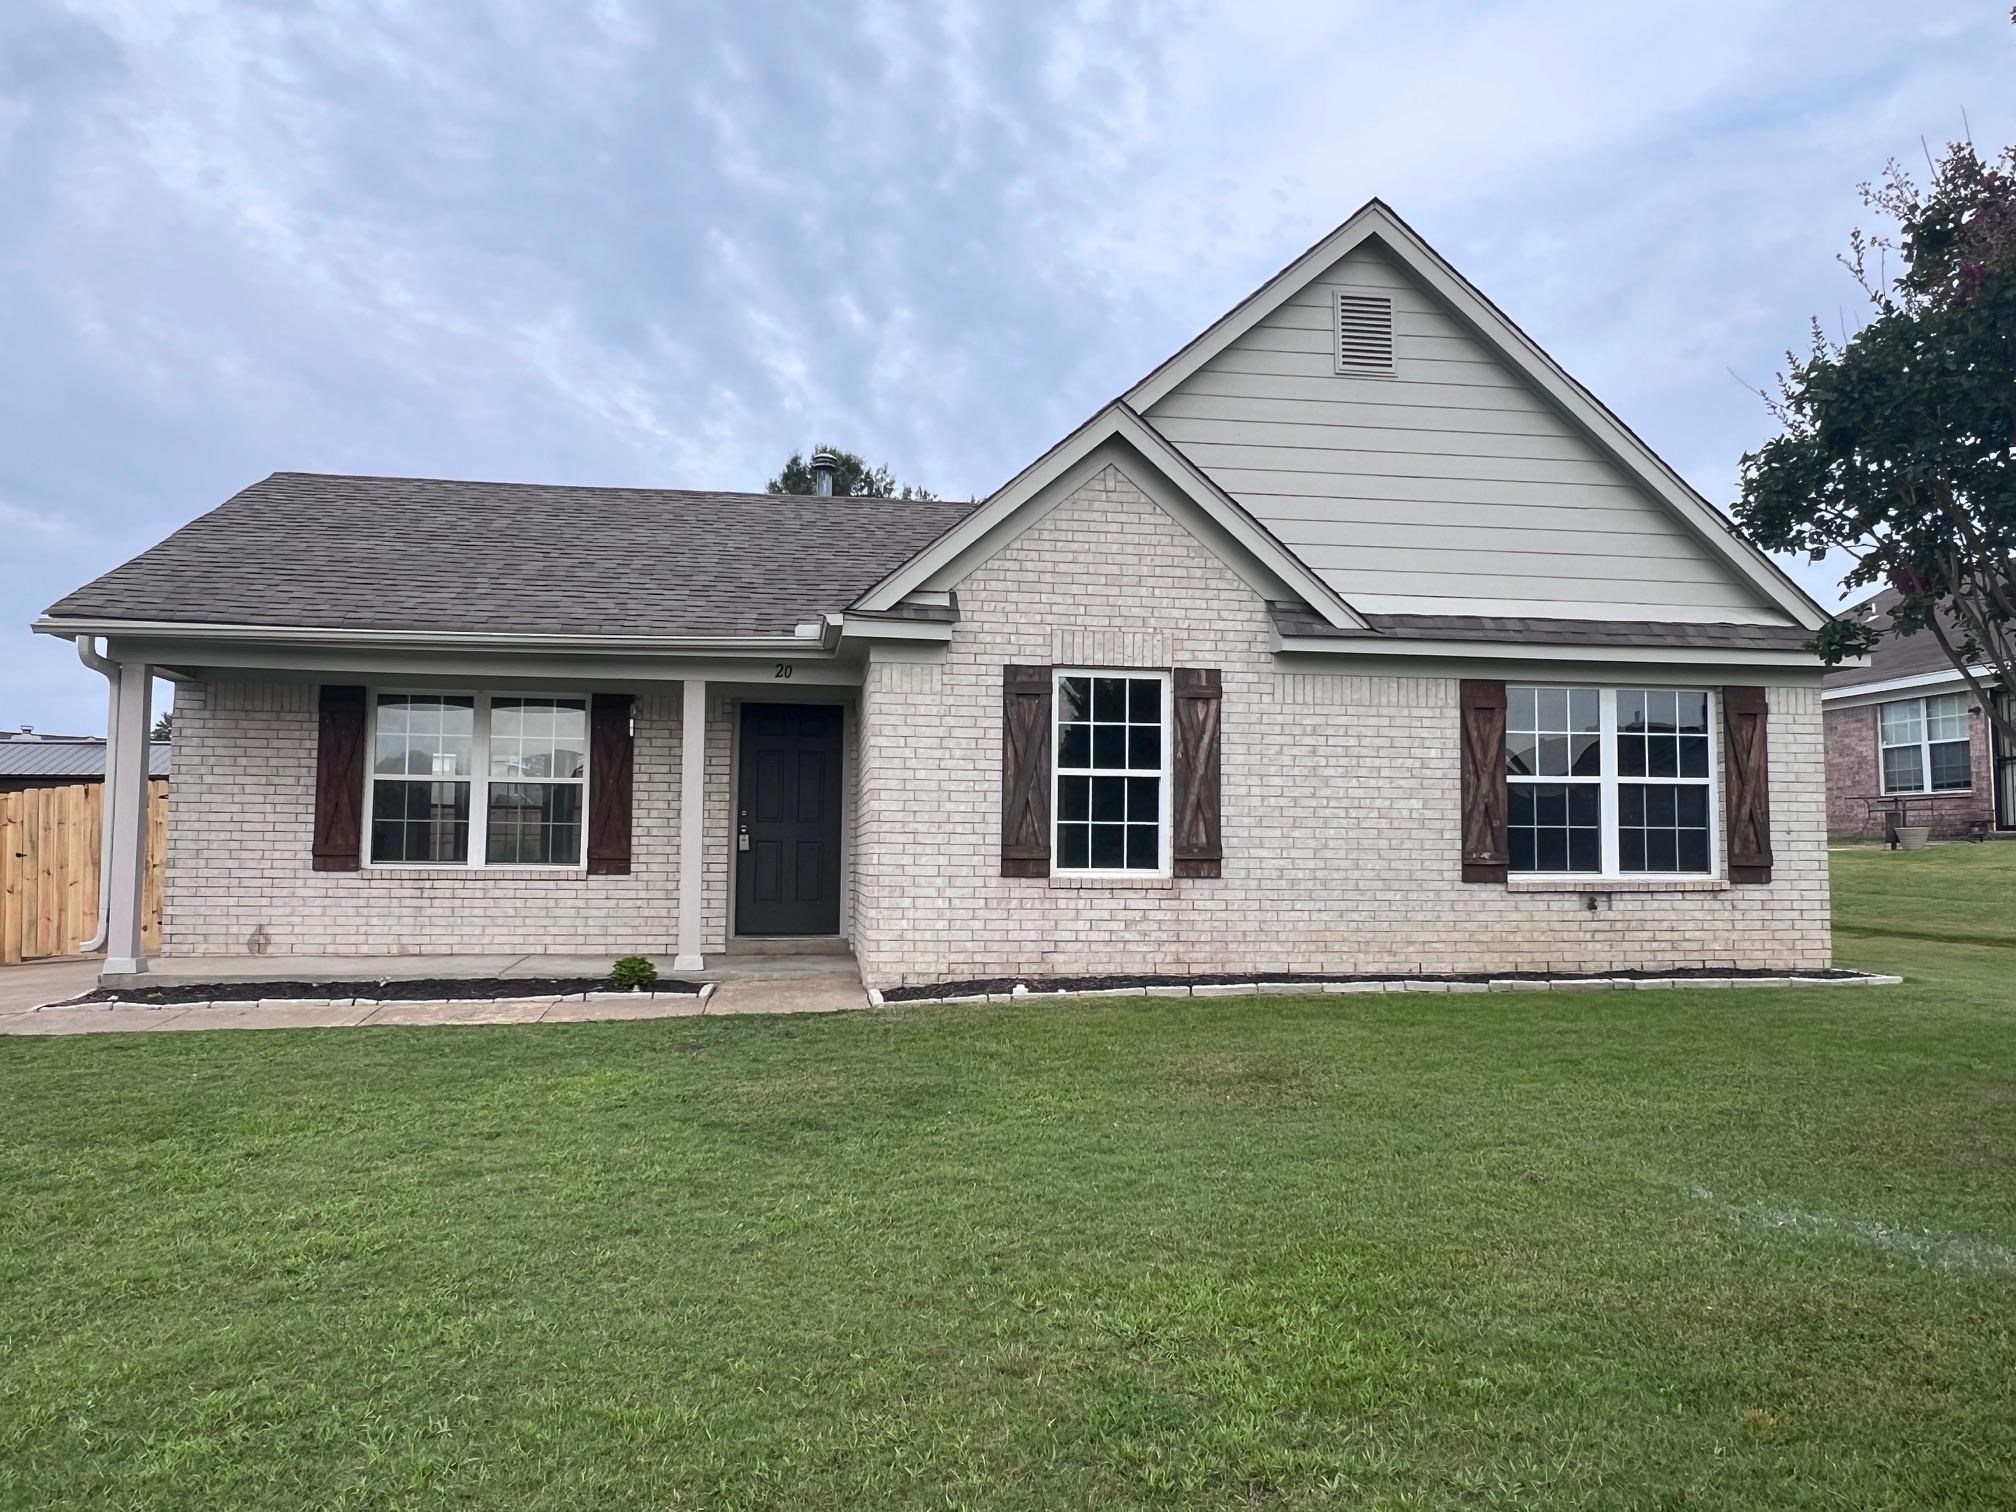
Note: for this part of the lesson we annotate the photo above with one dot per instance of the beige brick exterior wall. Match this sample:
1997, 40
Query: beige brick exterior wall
1340, 800
241, 823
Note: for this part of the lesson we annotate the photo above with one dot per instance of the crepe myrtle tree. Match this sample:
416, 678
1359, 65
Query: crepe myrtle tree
853, 478
1899, 443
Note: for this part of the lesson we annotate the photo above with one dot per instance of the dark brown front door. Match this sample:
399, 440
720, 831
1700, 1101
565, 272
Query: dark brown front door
787, 834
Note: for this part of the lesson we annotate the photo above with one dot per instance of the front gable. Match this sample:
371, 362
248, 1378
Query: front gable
1473, 478
1116, 436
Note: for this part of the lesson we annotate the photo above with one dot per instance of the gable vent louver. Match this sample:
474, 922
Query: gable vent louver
1364, 333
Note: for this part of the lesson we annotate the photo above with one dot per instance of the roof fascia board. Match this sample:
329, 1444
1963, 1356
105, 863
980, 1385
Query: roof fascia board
1331, 649
490, 668
1253, 309
1629, 666
1067, 467
1152, 477
1232, 517
221, 634
1874, 692
1590, 415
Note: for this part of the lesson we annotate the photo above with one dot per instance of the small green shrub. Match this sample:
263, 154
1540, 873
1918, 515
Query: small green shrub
632, 974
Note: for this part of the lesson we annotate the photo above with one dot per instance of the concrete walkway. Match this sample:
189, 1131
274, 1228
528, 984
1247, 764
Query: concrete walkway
834, 988
35, 982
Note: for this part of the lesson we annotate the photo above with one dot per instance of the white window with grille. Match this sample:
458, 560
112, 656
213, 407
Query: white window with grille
1925, 745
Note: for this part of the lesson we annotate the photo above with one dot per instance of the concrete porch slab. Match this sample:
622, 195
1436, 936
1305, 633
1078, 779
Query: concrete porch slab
354, 968
736, 966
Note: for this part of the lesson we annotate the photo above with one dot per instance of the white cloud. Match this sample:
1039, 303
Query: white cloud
36, 521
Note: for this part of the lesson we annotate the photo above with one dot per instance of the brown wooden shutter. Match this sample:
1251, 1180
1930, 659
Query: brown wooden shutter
1025, 771
339, 780
611, 761
1487, 855
1199, 838
1747, 760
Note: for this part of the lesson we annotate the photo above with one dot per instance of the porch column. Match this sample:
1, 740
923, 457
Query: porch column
692, 822
125, 816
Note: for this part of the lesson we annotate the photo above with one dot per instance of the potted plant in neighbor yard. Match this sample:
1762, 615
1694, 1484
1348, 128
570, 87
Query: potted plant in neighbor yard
633, 974
1913, 836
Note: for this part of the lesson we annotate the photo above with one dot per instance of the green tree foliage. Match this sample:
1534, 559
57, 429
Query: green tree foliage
1899, 443
852, 478
164, 727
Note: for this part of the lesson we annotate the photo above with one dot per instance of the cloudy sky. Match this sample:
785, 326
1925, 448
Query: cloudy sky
640, 242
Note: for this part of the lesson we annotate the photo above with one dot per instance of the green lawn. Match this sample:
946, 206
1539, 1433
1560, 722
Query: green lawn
1714, 1248
1964, 893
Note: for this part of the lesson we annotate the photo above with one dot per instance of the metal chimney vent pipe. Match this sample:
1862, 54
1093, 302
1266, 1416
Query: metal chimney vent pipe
824, 465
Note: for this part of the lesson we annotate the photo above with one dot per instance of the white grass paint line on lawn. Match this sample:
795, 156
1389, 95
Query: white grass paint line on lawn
1937, 1251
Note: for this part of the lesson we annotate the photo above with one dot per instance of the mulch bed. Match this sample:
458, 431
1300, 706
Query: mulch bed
1240, 979
401, 990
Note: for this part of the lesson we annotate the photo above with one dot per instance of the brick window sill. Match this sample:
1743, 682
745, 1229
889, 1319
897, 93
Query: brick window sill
1617, 884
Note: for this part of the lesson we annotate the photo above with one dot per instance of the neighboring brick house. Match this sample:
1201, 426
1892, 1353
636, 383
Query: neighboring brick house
1356, 637
1906, 736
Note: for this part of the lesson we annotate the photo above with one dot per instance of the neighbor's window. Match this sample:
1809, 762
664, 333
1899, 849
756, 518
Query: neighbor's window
1112, 772
518, 764
1925, 745
1610, 781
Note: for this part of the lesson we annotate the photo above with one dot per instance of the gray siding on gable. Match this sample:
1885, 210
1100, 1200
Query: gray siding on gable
1450, 488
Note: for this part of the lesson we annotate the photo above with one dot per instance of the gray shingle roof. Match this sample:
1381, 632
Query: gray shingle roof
433, 554
1895, 655
69, 758
1293, 619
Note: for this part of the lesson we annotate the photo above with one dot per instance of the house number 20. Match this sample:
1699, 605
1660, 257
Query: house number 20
784, 670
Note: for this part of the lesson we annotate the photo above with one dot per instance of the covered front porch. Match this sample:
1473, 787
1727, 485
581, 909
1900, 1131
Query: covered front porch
719, 845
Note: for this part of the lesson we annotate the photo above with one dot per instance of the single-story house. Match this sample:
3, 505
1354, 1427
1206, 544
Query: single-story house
30, 759
1907, 736
1357, 636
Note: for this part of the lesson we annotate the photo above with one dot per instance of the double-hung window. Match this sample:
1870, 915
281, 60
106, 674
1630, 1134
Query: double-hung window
1112, 772
478, 779
1610, 781
1925, 745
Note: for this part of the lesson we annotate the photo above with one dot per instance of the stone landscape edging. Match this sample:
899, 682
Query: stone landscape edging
702, 994
1022, 992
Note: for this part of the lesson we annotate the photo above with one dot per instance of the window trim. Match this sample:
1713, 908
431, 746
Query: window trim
1924, 744
1609, 809
479, 780
1165, 806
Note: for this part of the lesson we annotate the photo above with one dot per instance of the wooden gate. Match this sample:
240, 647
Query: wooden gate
49, 869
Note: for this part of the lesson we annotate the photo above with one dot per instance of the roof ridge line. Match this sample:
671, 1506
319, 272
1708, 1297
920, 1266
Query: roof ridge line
637, 488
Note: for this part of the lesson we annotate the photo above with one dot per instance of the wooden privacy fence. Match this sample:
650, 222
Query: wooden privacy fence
49, 868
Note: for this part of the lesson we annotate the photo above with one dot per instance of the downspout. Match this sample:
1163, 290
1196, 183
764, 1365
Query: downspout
87, 653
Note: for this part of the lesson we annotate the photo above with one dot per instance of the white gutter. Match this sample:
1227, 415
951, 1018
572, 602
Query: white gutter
1900, 684
1472, 650
339, 635
88, 654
